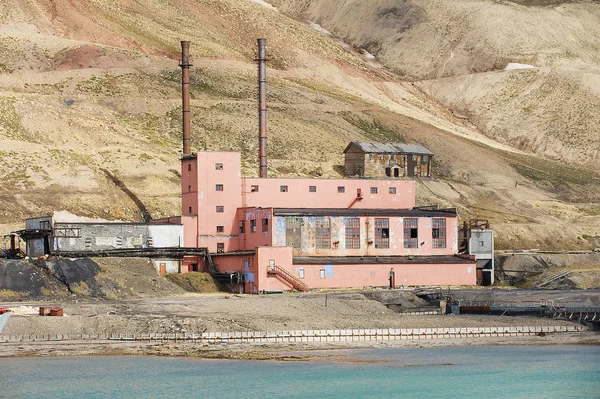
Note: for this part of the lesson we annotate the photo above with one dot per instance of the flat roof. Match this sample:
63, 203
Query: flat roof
391, 260
363, 212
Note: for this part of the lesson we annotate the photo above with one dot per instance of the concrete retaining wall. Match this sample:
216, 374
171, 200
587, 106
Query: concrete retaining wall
386, 334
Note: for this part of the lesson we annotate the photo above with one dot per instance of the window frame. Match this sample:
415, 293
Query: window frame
312, 189
341, 189
382, 232
265, 225
322, 233
219, 166
220, 229
220, 209
218, 187
411, 228
374, 190
283, 189
352, 233
438, 233
252, 225
393, 190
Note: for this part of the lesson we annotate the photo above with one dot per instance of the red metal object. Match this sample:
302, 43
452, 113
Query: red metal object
185, 96
262, 106
2, 311
51, 311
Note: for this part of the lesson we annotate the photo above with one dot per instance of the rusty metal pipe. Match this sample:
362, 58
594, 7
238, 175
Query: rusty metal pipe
185, 95
262, 106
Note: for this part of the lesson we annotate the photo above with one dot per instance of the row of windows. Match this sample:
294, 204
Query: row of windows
313, 189
265, 226
425, 158
218, 166
301, 273
352, 233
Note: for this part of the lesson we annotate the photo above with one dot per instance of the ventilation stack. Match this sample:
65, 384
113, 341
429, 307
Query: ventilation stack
185, 96
262, 106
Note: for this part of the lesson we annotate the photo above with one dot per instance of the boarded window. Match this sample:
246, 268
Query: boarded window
220, 247
341, 189
322, 233
283, 189
220, 229
253, 226
219, 166
265, 225
352, 233
293, 232
220, 209
411, 233
438, 233
373, 190
312, 189
242, 227
382, 233
219, 187
392, 190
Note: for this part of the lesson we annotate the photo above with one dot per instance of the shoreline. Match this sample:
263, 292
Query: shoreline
273, 351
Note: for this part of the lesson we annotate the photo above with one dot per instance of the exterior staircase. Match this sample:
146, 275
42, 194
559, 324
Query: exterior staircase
552, 278
287, 278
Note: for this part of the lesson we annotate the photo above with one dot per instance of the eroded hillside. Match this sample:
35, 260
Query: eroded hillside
90, 116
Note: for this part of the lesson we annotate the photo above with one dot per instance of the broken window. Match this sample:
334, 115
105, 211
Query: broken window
283, 189
293, 232
254, 188
253, 226
411, 233
189, 167
220, 209
373, 190
382, 233
265, 225
189, 189
67, 232
242, 226
219, 166
438, 233
220, 229
370, 156
322, 233
220, 247
392, 190
190, 210
341, 189
312, 189
352, 233
219, 187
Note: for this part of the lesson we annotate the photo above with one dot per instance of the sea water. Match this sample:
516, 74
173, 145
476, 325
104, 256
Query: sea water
457, 372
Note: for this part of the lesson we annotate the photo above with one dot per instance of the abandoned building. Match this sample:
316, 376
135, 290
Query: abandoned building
289, 233
365, 159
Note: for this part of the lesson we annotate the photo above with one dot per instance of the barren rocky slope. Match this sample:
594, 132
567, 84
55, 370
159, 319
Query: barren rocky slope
90, 116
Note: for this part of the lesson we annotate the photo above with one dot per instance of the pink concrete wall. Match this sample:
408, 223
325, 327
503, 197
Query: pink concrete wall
367, 238
377, 275
230, 198
298, 196
250, 240
282, 257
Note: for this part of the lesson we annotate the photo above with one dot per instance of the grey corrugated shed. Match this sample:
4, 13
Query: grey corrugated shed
390, 148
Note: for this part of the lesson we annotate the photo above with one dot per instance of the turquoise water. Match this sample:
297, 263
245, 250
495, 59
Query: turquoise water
460, 372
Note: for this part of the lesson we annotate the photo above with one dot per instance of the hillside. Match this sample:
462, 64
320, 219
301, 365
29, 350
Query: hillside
90, 114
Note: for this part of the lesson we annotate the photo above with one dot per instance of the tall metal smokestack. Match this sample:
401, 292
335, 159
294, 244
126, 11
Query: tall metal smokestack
185, 95
262, 106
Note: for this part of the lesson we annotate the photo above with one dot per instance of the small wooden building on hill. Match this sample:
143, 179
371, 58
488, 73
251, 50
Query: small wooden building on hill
366, 159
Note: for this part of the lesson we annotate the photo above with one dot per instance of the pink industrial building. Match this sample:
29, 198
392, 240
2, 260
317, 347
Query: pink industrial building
284, 234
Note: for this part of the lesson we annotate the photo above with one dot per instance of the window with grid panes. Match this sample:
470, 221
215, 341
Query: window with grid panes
438, 233
352, 233
322, 233
382, 233
293, 232
411, 233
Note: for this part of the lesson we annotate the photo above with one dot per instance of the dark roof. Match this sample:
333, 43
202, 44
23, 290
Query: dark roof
363, 212
391, 260
389, 148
